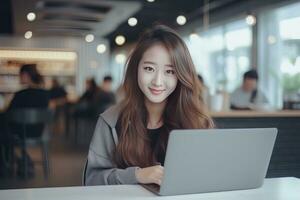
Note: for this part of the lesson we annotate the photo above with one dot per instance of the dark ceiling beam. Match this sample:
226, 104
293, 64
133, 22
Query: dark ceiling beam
6, 17
234, 9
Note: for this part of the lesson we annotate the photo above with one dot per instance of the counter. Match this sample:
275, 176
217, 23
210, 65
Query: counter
249, 113
285, 160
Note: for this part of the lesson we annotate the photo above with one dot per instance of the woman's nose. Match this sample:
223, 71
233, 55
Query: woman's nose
157, 79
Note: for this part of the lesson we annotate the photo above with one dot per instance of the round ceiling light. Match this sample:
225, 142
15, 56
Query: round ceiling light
28, 34
132, 21
89, 38
101, 48
181, 20
120, 40
31, 16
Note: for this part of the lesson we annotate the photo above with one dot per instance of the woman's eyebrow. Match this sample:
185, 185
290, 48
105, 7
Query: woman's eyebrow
153, 63
149, 62
169, 65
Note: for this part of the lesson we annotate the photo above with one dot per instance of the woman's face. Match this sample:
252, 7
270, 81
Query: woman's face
156, 74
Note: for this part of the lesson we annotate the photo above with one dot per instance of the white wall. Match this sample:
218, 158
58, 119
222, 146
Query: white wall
86, 54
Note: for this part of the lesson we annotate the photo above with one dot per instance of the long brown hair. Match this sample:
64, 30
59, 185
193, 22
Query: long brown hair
184, 109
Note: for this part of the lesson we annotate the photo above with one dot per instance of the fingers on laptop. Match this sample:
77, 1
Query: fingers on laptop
152, 174
159, 172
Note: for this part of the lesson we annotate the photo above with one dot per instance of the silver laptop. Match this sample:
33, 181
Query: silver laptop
215, 160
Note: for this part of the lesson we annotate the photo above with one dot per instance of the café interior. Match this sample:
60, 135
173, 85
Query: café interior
80, 47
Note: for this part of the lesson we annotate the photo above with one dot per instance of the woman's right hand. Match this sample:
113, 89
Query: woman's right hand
151, 174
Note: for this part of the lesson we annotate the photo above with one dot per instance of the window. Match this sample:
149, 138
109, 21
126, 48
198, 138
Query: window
222, 54
279, 53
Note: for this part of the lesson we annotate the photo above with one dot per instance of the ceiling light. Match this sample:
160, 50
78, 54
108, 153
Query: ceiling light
181, 20
101, 48
89, 38
194, 36
132, 21
251, 20
120, 58
28, 35
31, 16
120, 40
150, 1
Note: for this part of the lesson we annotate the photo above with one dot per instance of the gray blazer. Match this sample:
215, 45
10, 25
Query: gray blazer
100, 168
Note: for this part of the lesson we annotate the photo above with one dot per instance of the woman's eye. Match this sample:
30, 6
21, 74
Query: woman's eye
149, 69
170, 71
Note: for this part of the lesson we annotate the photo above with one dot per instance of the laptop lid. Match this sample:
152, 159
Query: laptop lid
216, 160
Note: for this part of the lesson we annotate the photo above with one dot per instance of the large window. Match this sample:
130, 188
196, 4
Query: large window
222, 54
279, 53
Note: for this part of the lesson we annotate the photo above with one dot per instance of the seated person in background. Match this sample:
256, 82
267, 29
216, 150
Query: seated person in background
91, 90
248, 96
87, 103
32, 96
106, 97
57, 94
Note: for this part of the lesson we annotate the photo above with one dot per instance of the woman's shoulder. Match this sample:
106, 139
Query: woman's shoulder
111, 115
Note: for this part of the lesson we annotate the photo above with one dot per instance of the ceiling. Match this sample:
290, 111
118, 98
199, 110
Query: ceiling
104, 18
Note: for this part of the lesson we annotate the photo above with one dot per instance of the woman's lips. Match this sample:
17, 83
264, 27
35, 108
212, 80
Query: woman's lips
156, 91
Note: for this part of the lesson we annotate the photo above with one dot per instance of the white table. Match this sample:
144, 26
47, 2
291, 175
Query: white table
273, 189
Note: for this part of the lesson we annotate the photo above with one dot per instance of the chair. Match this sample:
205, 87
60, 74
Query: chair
25, 117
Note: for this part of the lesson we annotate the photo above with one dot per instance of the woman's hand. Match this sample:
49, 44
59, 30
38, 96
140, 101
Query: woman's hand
152, 174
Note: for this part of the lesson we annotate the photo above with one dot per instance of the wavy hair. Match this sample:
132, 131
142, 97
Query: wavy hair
184, 109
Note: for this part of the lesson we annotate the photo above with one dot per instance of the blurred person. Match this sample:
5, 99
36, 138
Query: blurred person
248, 96
107, 83
58, 102
57, 94
32, 96
106, 97
86, 105
91, 90
161, 94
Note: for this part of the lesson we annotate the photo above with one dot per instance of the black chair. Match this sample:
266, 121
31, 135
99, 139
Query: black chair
26, 118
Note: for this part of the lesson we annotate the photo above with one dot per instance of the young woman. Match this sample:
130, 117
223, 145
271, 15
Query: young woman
161, 94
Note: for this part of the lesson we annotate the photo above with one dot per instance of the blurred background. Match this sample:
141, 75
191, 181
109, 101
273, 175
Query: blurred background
80, 47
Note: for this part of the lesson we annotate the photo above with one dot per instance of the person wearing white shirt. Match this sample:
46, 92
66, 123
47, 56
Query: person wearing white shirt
248, 96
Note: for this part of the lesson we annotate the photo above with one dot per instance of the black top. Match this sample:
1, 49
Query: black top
154, 138
89, 95
57, 92
29, 98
